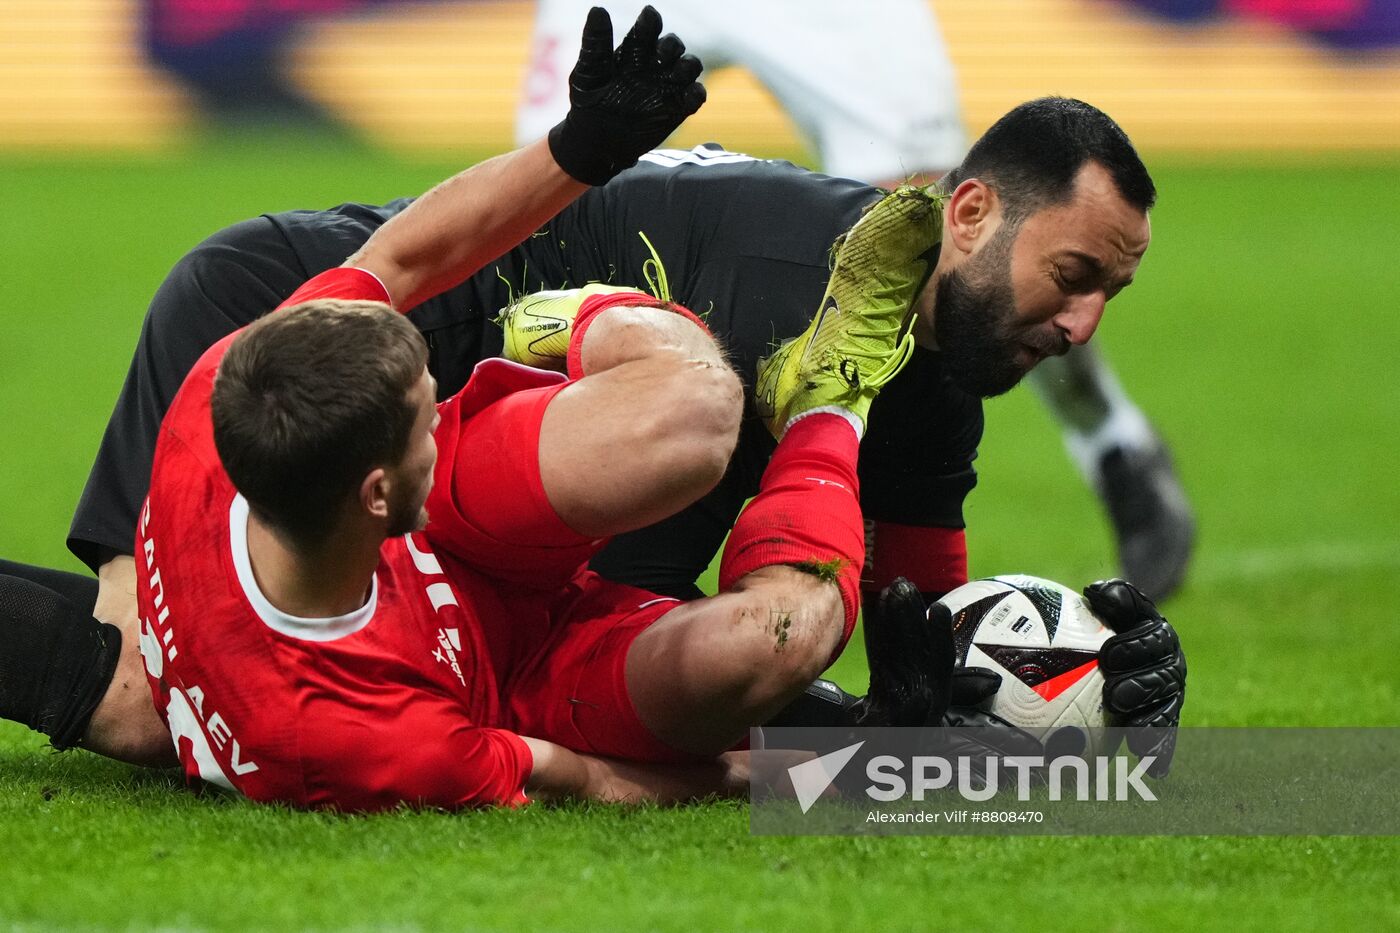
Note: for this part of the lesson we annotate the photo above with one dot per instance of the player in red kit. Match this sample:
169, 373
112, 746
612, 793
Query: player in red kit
312, 638
263, 689
363, 709
268, 689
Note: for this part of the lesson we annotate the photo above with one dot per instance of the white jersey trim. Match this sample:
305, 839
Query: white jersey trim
703, 154
274, 618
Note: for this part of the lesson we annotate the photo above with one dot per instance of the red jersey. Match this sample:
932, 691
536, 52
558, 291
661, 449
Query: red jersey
395, 702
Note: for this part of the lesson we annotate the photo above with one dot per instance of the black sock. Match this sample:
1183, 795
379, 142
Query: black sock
56, 661
823, 703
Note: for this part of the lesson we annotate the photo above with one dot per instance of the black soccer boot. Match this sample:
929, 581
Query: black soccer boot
1151, 517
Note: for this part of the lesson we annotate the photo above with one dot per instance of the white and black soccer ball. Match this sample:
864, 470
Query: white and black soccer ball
1044, 642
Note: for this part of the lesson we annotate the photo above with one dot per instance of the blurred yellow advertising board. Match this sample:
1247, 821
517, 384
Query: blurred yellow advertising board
433, 76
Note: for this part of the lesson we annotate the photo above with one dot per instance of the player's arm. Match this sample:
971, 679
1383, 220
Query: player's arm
465, 222
624, 102
561, 774
354, 759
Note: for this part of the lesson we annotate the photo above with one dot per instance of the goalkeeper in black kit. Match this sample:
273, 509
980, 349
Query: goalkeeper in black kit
1021, 271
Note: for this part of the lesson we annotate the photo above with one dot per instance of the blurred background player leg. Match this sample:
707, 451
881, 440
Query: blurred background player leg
1126, 462
883, 107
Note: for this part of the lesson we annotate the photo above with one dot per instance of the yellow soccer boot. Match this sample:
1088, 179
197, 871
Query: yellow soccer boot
861, 336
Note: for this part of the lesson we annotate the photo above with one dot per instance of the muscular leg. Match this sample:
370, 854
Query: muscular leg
647, 431
645, 428
707, 671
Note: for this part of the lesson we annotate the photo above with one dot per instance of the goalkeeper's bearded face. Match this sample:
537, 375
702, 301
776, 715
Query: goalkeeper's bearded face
1031, 286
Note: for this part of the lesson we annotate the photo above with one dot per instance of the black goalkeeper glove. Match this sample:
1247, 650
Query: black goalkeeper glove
914, 680
910, 651
976, 732
623, 102
1144, 670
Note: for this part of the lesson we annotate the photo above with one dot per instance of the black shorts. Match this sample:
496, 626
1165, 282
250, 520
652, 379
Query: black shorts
227, 282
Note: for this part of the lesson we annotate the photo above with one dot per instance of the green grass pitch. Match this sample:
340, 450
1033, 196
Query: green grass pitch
1260, 337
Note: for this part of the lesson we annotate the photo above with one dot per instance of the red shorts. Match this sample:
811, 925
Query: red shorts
557, 633
569, 685
488, 505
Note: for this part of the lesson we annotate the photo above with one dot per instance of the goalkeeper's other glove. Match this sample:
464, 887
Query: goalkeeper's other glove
1144, 670
624, 101
914, 680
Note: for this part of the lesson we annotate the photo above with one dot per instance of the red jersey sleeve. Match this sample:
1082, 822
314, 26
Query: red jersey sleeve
344, 283
427, 753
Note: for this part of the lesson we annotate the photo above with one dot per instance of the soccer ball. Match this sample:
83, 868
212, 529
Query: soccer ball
1044, 642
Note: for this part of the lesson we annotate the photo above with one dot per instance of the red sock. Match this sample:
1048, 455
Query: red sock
933, 559
807, 511
597, 304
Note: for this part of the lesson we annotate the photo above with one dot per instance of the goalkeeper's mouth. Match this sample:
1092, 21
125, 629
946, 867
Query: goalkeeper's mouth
1028, 356
1033, 353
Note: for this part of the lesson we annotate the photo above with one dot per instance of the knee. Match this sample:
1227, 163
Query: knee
700, 407
714, 402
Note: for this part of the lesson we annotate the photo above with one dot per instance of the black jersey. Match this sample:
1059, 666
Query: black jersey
744, 242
